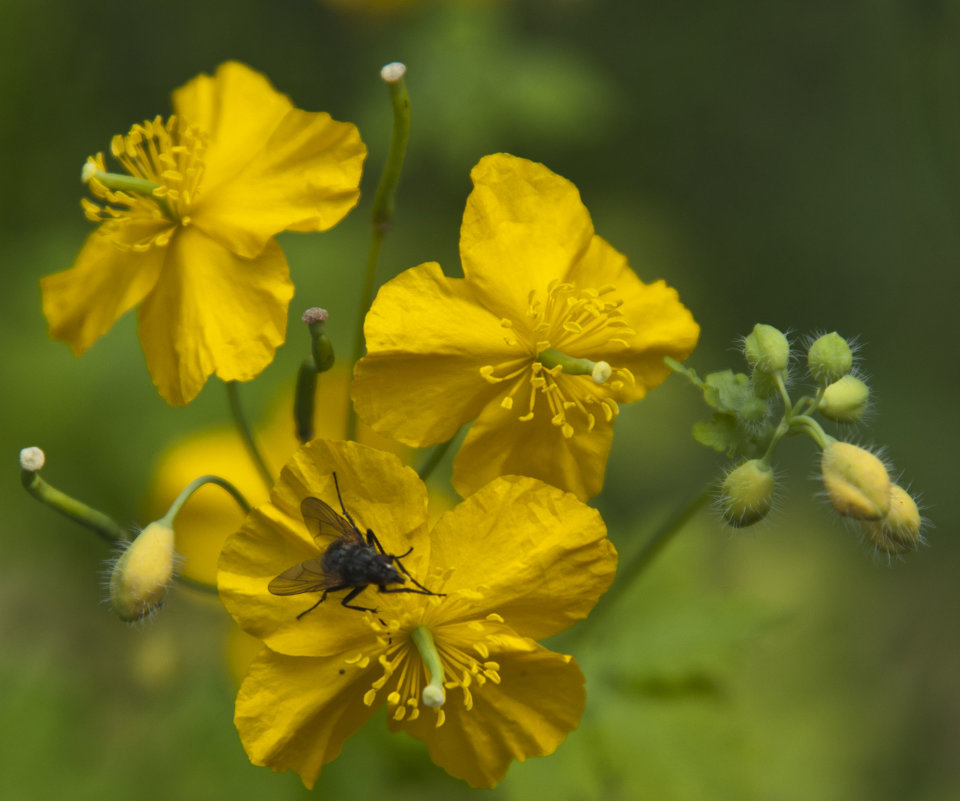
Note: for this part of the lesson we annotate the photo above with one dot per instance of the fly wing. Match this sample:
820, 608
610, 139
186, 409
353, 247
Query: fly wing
308, 576
324, 523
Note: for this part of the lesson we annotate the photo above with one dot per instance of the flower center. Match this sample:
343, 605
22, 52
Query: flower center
566, 322
421, 665
164, 164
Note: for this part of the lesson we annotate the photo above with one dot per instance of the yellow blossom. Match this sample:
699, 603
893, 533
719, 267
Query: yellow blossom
188, 234
516, 562
211, 514
546, 334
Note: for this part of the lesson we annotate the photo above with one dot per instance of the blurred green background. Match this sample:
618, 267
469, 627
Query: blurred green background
795, 164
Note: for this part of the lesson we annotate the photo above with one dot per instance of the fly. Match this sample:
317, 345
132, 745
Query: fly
351, 561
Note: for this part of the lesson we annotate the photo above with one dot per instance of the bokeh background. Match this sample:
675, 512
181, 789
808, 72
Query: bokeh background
791, 163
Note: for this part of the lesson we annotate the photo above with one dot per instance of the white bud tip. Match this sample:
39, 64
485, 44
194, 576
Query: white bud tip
433, 696
315, 315
88, 171
393, 71
601, 372
32, 459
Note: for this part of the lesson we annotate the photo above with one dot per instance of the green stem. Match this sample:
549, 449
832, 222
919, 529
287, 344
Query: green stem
72, 508
193, 486
435, 457
246, 434
813, 428
381, 215
303, 400
784, 395
639, 562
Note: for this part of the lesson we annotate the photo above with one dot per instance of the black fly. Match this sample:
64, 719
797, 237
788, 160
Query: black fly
350, 562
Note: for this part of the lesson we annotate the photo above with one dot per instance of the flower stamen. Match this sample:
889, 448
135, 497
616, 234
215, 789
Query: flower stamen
164, 164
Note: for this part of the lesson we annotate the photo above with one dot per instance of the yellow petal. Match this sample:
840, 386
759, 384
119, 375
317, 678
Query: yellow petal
539, 702
523, 227
82, 303
269, 167
662, 325
427, 338
238, 110
295, 713
539, 557
378, 492
306, 177
498, 444
213, 312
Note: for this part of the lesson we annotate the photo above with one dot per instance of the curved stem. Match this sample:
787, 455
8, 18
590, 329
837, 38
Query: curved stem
246, 434
381, 214
639, 562
435, 457
70, 507
193, 486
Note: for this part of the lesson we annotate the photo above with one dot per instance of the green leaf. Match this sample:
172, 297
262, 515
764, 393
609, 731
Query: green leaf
720, 433
728, 391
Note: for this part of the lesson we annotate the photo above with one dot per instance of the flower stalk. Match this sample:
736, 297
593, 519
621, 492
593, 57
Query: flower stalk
31, 460
383, 204
246, 433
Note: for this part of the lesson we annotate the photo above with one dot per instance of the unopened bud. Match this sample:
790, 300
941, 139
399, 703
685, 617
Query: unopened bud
143, 573
747, 493
856, 481
322, 348
829, 358
899, 530
767, 349
393, 72
32, 459
845, 400
764, 384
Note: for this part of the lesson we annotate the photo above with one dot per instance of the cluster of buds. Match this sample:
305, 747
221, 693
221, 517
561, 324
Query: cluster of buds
746, 426
859, 487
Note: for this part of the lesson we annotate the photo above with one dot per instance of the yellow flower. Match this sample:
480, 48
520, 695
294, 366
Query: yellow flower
517, 561
548, 331
188, 234
204, 523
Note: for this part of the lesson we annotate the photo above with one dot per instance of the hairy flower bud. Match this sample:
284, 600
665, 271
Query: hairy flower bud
899, 530
845, 400
766, 349
143, 573
856, 481
829, 358
746, 495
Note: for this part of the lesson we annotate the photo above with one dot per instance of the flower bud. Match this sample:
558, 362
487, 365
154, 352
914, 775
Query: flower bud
856, 481
764, 385
753, 411
143, 573
746, 495
767, 349
829, 358
845, 400
899, 530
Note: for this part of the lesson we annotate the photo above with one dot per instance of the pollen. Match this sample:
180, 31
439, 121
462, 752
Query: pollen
569, 322
164, 165
404, 671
